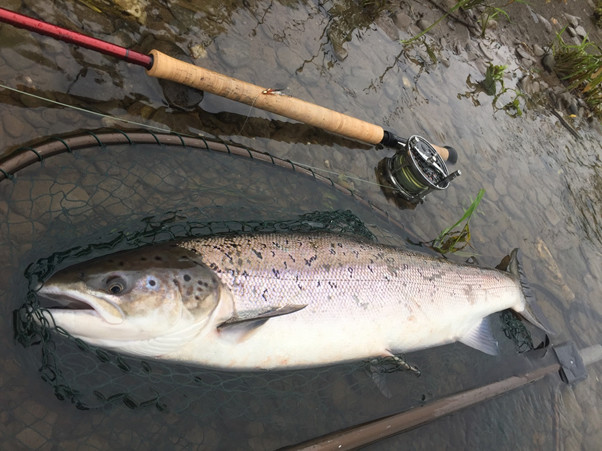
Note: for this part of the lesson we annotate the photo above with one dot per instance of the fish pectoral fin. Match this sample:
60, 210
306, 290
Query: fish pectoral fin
238, 328
481, 338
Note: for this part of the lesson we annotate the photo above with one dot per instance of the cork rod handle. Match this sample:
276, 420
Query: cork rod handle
169, 68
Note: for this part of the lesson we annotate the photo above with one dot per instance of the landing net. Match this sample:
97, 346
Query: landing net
74, 198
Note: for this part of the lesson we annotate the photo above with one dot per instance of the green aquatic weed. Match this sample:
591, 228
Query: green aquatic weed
450, 240
580, 65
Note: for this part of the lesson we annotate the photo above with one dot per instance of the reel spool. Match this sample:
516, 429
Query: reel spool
416, 169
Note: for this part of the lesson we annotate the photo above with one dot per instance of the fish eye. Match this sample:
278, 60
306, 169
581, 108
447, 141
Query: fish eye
116, 285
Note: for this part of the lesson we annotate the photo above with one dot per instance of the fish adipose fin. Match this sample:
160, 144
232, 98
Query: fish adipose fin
532, 312
481, 338
238, 328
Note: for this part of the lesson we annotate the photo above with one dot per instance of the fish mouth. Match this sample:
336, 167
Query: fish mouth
60, 301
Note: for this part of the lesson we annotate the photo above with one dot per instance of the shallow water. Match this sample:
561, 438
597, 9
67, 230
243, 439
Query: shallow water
542, 195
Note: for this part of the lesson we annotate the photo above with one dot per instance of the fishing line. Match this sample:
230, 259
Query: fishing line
56, 102
166, 130
339, 174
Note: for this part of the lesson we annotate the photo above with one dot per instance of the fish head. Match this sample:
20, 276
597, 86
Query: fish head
133, 296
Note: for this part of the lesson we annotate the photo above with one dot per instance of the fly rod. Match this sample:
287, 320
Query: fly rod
567, 360
160, 65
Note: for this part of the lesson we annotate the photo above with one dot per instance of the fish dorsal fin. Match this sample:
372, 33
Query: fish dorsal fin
238, 328
481, 338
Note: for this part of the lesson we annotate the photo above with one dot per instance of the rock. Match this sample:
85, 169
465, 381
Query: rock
554, 272
548, 62
538, 50
573, 107
13, 5
135, 8
423, 24
485, 51
529, 86
386, 24
14, 126
546, 24
580, 31
523, 53
402, 20
30, 438
571, 31
197, 51
234, 54
573, 20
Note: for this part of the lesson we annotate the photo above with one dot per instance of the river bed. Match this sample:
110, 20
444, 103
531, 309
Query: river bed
542, 186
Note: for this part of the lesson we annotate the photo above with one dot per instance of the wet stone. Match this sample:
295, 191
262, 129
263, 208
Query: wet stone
546, 23
423, 24
580, 31
196, 435
573, 20
538, 50
402, 20
15, 127
571, 31
499, 185
287, 59
13, 5
233, 54
548, 62
30, 438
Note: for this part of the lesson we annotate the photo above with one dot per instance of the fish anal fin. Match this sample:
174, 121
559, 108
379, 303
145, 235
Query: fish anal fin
238, 328
481, 338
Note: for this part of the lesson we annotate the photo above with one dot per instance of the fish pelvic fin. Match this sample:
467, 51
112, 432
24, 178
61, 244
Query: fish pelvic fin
481, 338
531, 312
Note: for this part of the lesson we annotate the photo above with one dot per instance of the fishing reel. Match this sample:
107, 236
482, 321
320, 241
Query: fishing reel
416, 169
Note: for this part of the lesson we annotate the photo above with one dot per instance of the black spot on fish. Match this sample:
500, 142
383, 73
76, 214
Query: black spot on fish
143, 259
121, 263
187, 278
332, 284
350, 271
158, 258
309, 261
276, 273
256, 252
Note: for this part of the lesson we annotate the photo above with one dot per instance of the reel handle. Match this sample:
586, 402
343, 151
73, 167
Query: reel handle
447, 153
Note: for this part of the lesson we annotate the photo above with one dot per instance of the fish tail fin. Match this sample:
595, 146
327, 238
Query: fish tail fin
531, 311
